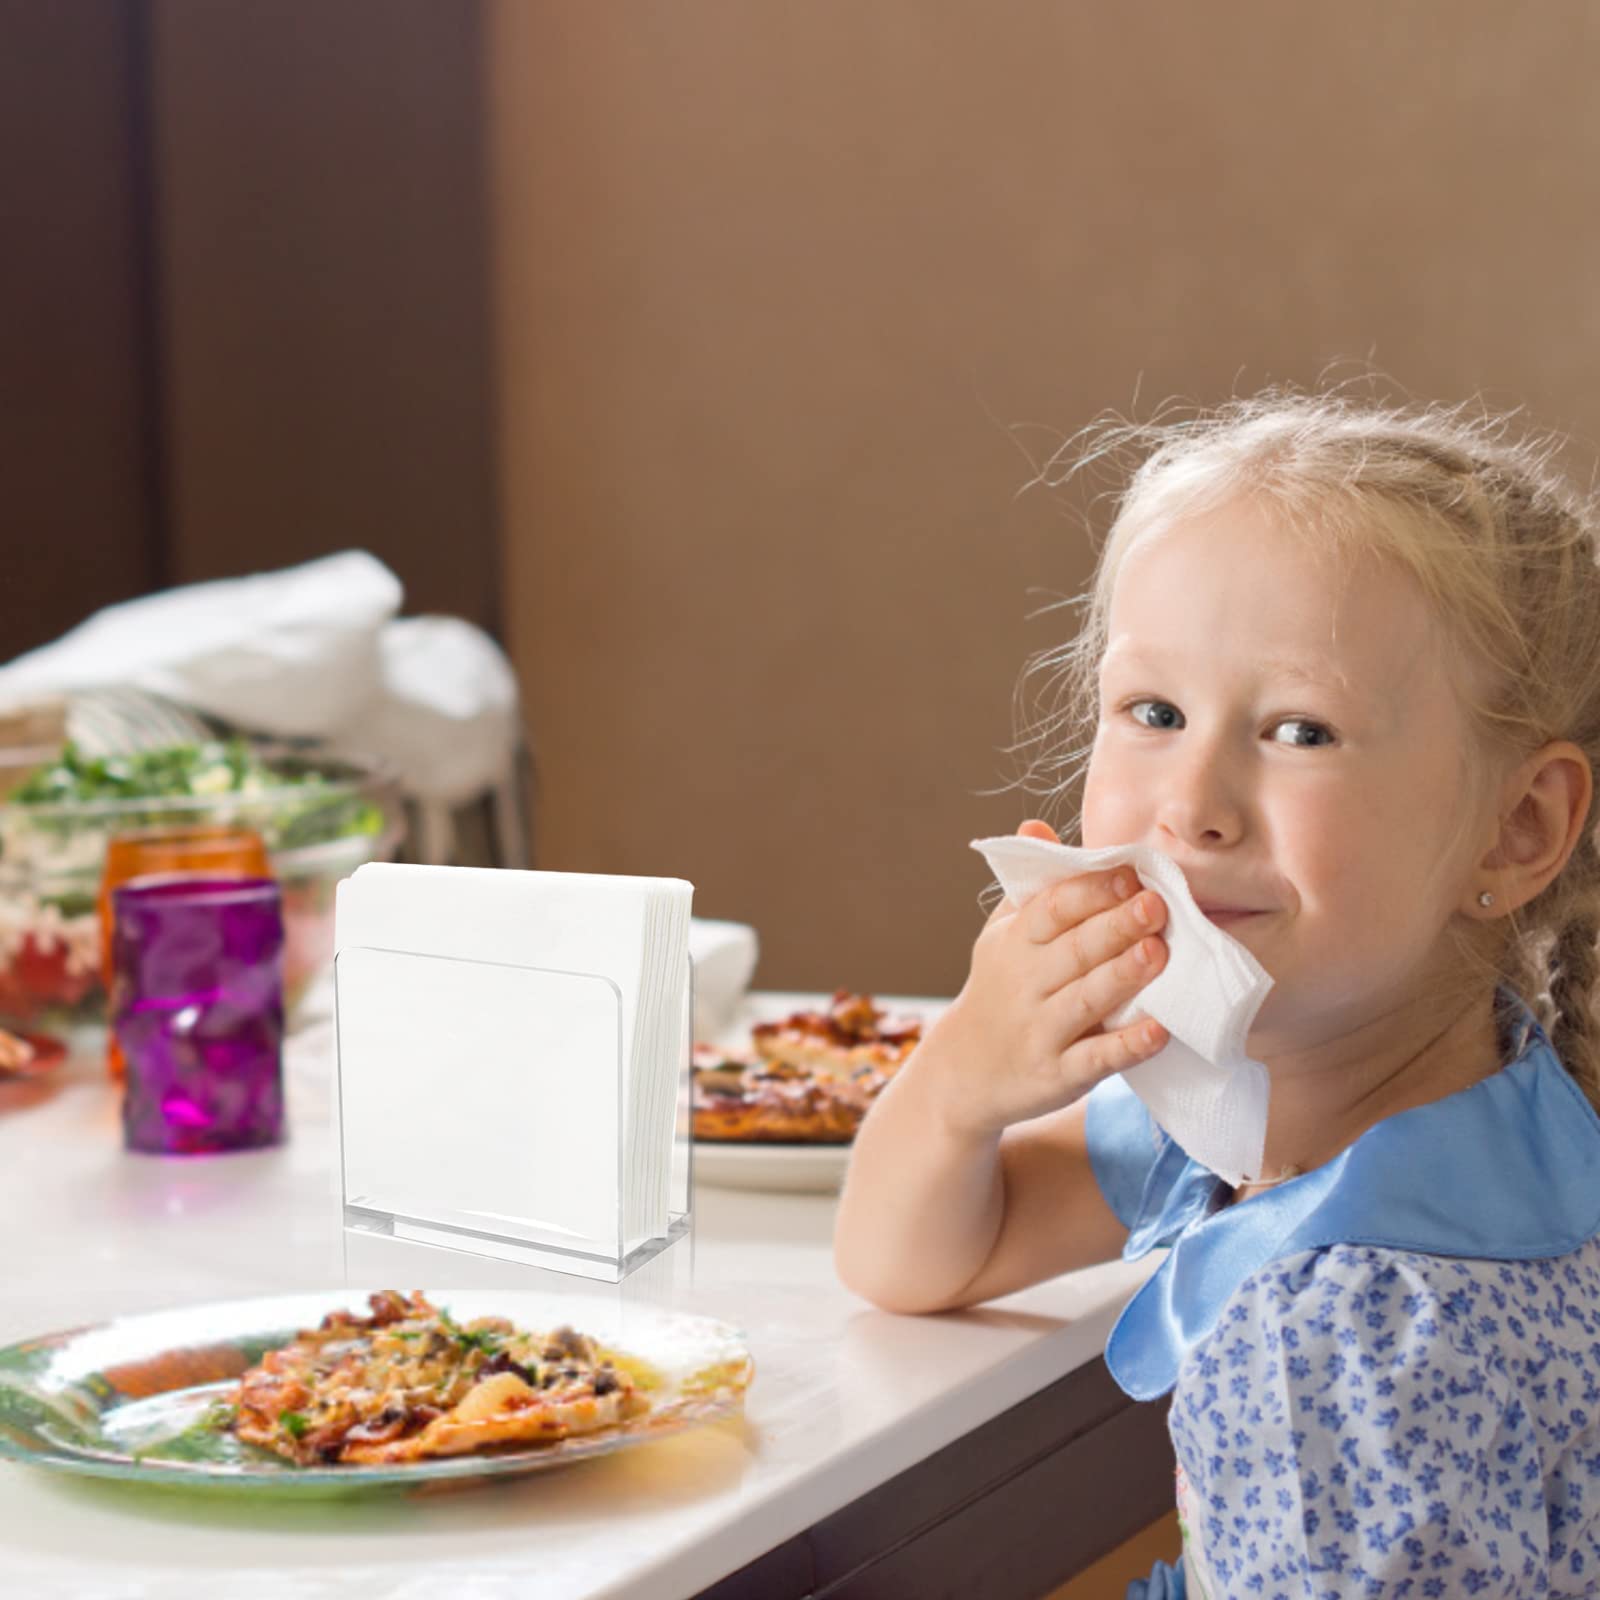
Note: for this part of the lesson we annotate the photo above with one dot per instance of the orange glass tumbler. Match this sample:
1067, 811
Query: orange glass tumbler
211, 851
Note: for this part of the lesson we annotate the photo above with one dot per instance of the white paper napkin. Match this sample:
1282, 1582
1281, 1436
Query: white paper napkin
724, 956
1201, 1087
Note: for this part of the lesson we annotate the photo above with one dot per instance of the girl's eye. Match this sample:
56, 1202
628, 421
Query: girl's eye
1165, 714
1168, 717
1315, 733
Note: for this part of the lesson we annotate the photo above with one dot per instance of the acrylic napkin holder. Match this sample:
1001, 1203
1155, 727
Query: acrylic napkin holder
488, 1131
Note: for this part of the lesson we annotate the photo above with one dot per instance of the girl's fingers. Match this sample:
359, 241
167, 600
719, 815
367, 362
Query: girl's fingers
1070, 901
1091, 944
1087, 1001
1103, 1055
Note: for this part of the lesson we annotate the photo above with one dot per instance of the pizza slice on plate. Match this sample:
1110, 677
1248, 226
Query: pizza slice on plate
408, 1382
807, 1078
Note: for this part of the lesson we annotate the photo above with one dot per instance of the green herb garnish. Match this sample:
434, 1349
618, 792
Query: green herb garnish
294, 1423
484, 1339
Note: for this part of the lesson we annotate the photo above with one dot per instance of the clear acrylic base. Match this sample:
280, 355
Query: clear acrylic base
366, 1223
661, 1274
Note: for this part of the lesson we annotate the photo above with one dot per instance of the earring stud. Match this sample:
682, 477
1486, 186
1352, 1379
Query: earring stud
1485, 899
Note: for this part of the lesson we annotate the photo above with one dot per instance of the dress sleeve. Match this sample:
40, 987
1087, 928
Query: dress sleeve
1342, 1433
1123, 1145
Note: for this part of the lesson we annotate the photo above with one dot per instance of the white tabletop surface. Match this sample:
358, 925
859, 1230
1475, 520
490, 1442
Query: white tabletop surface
845, 1396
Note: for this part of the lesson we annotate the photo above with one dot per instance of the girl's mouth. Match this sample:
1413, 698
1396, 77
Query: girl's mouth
1229, 919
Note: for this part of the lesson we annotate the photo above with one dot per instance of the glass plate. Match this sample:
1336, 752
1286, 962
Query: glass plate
127, 1399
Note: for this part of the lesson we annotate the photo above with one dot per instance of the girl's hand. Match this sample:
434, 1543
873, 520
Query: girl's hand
1025, 1037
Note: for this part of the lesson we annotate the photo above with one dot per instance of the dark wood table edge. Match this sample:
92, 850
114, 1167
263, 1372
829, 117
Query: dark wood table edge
1008, 1511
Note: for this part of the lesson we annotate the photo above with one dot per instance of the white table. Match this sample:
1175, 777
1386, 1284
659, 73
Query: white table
845, 1398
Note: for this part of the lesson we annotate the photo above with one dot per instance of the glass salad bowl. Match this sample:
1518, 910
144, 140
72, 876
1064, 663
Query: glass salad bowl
319, 818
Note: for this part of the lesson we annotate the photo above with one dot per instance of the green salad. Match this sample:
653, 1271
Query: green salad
291, 801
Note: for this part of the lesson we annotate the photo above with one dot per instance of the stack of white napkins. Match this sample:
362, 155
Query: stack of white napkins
483, 1016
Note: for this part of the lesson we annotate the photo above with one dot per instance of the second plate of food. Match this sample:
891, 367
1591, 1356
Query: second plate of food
780, 1093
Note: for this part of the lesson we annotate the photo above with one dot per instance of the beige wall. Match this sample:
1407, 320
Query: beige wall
769, 279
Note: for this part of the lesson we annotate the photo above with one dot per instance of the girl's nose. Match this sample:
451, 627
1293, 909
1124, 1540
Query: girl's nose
1200, 805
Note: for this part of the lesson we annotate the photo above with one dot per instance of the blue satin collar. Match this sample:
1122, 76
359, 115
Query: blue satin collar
1508, 1169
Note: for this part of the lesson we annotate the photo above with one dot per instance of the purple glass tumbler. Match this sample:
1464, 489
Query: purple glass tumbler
197, 1003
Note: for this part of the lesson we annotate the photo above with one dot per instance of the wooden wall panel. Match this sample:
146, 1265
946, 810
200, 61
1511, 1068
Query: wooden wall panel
78, 522
322, 231
771, 280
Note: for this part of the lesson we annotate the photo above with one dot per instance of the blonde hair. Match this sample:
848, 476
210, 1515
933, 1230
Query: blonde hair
1500, 543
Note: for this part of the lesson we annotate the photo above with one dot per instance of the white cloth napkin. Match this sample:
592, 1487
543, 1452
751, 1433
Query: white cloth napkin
292, 652
724, 956
313, 651
1201, 1086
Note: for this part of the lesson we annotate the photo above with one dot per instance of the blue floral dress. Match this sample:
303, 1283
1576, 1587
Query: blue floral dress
1385, 1375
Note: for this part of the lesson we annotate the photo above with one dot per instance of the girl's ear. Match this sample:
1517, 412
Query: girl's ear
1544, 806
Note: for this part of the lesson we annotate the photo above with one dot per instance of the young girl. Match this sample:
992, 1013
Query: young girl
1342, 665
